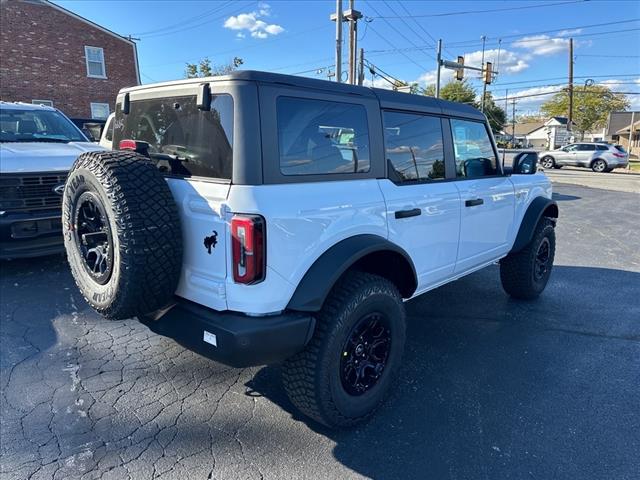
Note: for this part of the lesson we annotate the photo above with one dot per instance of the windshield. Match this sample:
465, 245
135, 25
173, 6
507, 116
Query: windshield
37, 126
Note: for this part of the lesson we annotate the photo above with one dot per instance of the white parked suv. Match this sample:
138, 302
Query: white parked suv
38, 145
260, 218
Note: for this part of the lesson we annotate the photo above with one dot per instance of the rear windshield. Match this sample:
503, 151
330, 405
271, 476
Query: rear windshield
184, 140
620, 148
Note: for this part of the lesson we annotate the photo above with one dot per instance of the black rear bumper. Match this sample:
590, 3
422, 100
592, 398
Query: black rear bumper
30, 234
232, 338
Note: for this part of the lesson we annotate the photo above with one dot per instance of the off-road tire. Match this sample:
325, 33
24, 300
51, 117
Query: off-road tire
312, 377
549, 161
142, 224
517, 270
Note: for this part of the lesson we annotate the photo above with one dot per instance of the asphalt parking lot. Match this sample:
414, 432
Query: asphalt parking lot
490, 388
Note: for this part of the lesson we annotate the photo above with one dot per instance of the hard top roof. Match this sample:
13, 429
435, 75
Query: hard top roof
386, 97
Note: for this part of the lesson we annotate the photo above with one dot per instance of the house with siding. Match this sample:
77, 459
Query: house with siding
50, 55
621, 131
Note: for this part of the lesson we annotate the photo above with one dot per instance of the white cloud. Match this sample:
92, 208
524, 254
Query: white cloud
507, 62
251, 23
568, 33
377, 83
542, 94
546, 45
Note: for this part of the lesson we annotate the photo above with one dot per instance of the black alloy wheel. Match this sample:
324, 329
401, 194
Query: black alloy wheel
365, 354
543, 255
93, 237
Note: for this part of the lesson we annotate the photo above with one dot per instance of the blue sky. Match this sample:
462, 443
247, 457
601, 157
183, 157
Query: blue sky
398, 37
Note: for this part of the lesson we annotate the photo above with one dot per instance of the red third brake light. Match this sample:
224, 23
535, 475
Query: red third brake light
127, 145
248, 245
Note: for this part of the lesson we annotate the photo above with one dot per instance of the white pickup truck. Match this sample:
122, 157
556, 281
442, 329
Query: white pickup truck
38, 146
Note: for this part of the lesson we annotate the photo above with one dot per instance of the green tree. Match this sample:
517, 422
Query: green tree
591, 106
496, 115
204, 68
463, 92
455, 91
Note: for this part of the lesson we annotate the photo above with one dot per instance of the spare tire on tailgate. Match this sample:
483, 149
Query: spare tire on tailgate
121, 233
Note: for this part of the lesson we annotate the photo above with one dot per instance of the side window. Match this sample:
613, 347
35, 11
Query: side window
182, 139
585, 147
319, 137
473, 151
413, 147
601, 147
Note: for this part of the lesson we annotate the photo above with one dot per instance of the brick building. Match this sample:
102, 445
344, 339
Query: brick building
53, 56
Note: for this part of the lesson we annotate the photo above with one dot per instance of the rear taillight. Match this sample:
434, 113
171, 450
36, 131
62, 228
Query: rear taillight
619, 155
248, 246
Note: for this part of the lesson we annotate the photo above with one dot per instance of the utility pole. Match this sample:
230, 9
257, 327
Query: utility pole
352, 36
513, 122
570, 119
506, 107
630, 146
337, 17
352, 16
439, 61
361, 68
484, 84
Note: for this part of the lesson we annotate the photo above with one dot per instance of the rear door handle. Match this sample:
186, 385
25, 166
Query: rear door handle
474, 202
414, 212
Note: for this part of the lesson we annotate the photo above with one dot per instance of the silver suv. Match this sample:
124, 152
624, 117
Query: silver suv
599, 157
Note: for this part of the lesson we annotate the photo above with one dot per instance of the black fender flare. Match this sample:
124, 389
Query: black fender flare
320, 278
539, 207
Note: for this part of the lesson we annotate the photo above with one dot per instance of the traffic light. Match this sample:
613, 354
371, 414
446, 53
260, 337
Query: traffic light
460, 71
488, 73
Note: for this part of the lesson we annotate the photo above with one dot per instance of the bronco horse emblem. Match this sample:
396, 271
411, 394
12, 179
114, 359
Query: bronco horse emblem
211, 242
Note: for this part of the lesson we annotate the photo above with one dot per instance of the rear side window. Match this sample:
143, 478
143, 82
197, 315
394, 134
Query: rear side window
602, 147
473, 150
319, 137
183, 140
413, 147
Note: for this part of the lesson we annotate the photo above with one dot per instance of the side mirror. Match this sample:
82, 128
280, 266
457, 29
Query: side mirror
525, 163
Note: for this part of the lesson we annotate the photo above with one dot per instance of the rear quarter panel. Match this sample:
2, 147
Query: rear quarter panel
303, 221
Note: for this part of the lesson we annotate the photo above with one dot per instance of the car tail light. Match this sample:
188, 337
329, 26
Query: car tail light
248, 246
619, 155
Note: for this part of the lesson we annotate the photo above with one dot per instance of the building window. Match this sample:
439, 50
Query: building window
95, 62
47, 103
100, 110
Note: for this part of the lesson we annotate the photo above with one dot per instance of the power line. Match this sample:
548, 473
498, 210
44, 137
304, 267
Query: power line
523, 39
466, 12
182, 28
185, 21
399, 33
559, 30
399, 51
577, 76
563, 91
421, 27
607, 55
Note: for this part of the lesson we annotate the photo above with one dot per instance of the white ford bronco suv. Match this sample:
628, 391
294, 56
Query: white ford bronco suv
259, 218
